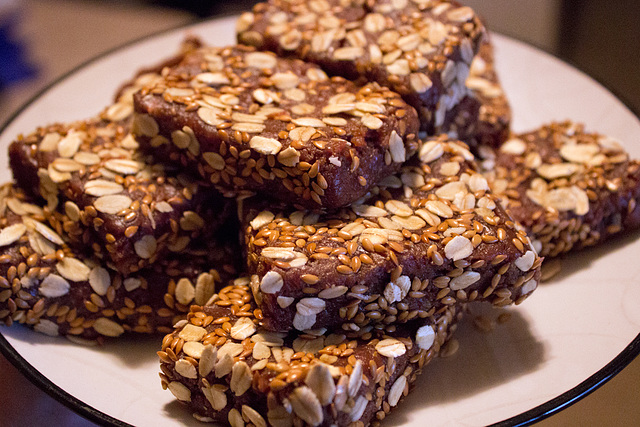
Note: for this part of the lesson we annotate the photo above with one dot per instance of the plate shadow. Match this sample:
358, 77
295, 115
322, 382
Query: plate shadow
484, 360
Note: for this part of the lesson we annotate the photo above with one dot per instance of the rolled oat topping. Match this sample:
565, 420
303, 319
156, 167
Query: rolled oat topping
264, 377
569, 188
128, 209
62, 292
248, 121
482, 119
421, 49
430, 236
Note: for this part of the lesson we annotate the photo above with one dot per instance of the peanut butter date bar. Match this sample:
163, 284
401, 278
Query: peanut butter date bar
57, 291
129, 210
568, 187
431, 236
420, 49
227, 368
483, 118
248, 121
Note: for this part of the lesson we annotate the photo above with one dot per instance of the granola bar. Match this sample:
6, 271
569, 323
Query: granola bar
431, 236
420, 49
226, 368
146, 75
248, 121
569, 188
62, 292
128, 209
483, 118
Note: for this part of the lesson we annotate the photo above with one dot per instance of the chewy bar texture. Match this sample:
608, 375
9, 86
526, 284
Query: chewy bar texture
420, 49
569, 188
248, 121
430, 236
228, 369
483, 118
127, 209
47, 286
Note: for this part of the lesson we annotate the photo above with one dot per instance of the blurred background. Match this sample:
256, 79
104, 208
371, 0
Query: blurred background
41, 40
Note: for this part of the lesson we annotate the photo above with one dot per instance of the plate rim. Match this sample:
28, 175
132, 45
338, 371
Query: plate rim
531, 416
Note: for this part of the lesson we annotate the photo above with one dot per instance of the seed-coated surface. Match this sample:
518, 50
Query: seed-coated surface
248, 121
421, 49
129, 210
58, 291
569, 188
430, 236
483, 117
227, 368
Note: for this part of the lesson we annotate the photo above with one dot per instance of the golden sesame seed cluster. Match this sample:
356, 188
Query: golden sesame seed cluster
132, 210
302, 214
421, 49
230, 369
60, 291
250, 122
433, 235
568, 187
345, 300
97, 240
334, 290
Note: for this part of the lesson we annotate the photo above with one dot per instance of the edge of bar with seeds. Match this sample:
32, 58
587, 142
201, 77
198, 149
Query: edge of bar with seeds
483, 118
421, 49
123, 99
227, 368
55, 290
569, 188
431, 236
248, 121
118, 203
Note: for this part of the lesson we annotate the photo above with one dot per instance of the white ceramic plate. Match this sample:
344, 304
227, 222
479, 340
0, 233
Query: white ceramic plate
568, 338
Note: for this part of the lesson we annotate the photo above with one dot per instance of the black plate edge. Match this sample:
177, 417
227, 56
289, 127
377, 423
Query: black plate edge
536, 414
577, 393
623, 359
